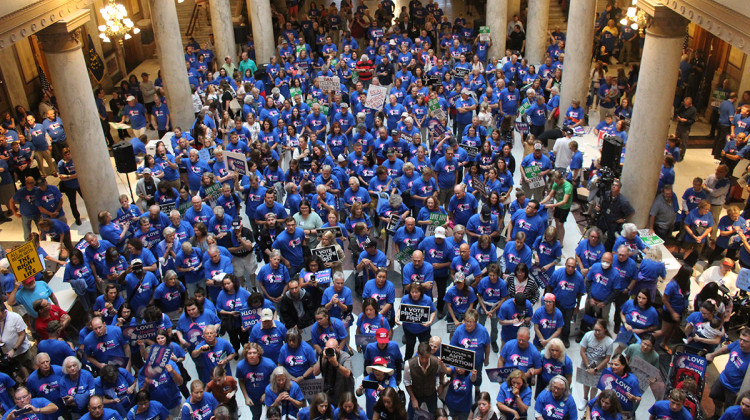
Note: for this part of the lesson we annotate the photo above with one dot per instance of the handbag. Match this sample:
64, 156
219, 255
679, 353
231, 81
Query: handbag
234, 105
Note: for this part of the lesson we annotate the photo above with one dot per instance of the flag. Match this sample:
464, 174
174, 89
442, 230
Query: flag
95, 63
43, 79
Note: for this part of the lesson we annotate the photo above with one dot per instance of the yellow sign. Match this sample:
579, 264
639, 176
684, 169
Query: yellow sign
24, 261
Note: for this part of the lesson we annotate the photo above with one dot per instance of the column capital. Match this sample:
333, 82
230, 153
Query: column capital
65, 34
663, 21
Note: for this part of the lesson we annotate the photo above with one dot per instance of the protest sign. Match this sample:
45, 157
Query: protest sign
743, 279
406, 137
433, 79
213, 193
609, 380
206, 154
499, 375
24, 261
376, 97
151, 238
362, 340
579, 130
438, 218
644, 371
310, 387
235, 162
249, 318
457, 357
404, 256
145, 331
335, 229
450, 327
532, 175
183, 207
158, 358
484, 33
328, 254
460, 72
166, 207
327, 83
436, 128
478, 185
522, 127
649, 239
585, 378
323, 277
414, 313
470, 150
393, 223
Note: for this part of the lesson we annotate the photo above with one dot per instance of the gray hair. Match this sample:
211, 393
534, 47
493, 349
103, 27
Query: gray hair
326, 168
168, 231
407, 165
628, 228
280, 370
175, 213
219, 211
170, 274
187, 247
395, 200
67, 361
561, 379
275, 253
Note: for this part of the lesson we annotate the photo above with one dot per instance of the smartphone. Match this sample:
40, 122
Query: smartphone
369, 384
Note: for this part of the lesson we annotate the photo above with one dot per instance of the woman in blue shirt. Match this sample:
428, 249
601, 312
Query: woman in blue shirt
460, 297
547, 254
349, 409
281, 383
412, 331
589, 251
514, 397
638, 317
554, 362
555, 402
319, 409
381, 374
459, 396
676, 296
698, 225
619, 371
337, 141
325, 328
370, 320
605, 406
650, 271
169, 296
357, 215
80, 277
484, 251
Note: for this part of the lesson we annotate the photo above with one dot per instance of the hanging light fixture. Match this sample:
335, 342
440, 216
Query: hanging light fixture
117, 23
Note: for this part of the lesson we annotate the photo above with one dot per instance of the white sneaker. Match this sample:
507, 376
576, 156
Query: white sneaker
585, 404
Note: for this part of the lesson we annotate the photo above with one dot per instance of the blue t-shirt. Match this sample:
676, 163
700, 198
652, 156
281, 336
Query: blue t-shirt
106, 347
677, 300
436, 253
274, 281
384, 295
336, 329
512, 256
202, 410
460, 301
522, 359
734, 372
548, 323
661, 411
637, 317
551, 409
210, 359
415, 328
270, 339
462, 209
345, 296
256, 377
294, 392
533, 226
290, 246
589, 254
162, 387
698, 224
601, 282
734, 413
297, 361
505, 396
509, 311
554, 367
596, 410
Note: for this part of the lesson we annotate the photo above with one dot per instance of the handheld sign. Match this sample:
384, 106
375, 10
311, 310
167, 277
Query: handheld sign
484, 33
328, 254
457, 357
24, 261
362, 340
743, 279
206, 154
166, 208
499, 374
329, 83
145, 331
478, 185
435, 128
335, 229
248, 318
158, 358
404, 256
438, 218
310, 387
323, 277
393, 223
460, 72
235, 162
406, 137
643, 370
414, 313
471, 150
376, 97
522, 127
609, 380
450, 327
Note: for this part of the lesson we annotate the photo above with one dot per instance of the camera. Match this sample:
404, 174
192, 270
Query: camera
329, 352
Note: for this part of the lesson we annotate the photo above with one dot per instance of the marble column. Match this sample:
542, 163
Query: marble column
652, 111
221, 24
536, 31
172, 62
260, 19
62, 44
498, 27
575, 82
514, 8
12, 77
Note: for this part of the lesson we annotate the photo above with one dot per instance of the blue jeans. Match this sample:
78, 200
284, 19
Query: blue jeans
26, 222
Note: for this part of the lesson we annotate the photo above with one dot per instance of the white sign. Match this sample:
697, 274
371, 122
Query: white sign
375, 97
536, 182
329, 83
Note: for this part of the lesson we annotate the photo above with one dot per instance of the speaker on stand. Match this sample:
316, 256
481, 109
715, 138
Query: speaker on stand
125, 161
611, 152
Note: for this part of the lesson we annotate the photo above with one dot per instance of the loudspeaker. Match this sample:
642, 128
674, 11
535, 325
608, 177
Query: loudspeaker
124, 157
611, 152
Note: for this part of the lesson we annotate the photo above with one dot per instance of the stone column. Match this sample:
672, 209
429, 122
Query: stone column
536, 31
575, 82
260, 19
68, 73
172, 62
652, 111
514, 8
498, 27
13, 78
221, 23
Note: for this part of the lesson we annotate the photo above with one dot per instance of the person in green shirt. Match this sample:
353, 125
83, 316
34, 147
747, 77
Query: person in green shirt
247, 63
644, 350
562, 191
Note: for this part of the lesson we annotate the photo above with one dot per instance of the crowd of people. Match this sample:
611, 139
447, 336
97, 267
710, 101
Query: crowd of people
244, 270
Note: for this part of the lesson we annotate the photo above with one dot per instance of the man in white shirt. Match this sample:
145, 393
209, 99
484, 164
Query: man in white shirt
721, 274
563, 154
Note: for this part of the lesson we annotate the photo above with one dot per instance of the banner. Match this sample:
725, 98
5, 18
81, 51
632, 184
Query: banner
95, 63
414, 313
456, 356
376, 97
145, 331
438, 218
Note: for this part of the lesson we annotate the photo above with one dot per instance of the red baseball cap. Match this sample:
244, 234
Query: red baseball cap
381, 334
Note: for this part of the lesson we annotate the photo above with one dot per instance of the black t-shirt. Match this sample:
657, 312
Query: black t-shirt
150, 190
387, 68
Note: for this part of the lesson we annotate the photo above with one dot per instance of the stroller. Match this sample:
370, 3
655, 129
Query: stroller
686, 365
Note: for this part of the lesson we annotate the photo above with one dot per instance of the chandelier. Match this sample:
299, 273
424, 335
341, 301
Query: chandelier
117, 23
635, 17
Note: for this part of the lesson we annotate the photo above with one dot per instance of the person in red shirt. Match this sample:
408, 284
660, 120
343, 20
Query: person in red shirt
49, 312
223, 388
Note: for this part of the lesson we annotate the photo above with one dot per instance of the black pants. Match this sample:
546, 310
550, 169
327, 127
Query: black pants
442, 285
567, 317
721, 140
71, 194
411, 341
57, 150
238, 338
620, 300
107, 133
